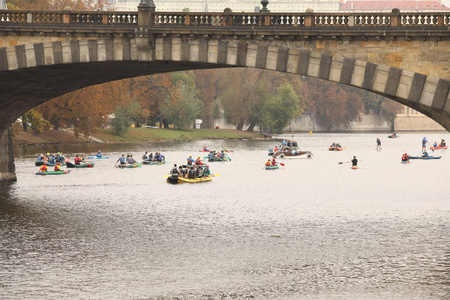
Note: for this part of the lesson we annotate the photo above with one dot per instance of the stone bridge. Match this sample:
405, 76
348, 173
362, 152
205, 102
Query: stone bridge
44, 54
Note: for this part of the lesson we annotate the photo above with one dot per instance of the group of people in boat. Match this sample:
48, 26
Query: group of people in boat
191, 161
271, 162
286, 146
220, 154
44, 168
51, 158
191, 171
158, 157
442, 144
335, 145
405, 157
126, 160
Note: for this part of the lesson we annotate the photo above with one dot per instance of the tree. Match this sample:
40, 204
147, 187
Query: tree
36, 120
123, 118
278, 109
381, 106
183, 107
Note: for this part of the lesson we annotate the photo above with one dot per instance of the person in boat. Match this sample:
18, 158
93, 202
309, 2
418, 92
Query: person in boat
122, 160
443, 143
222, 154
40, 158
145, 156
405, 157
435, 145
130, 159
425, 154
183, 171
354, 161
190, 160
43, 168
198, 161
424, 144
198, 172
78, 160
206, 171
284, 144
333, 145
294, 144
99, 153
268, 163
205, 149
378, 144
57, 168
191, 173
338, 145
210, 155
175, 170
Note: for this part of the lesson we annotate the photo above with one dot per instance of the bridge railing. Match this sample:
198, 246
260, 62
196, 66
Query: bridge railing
241, 19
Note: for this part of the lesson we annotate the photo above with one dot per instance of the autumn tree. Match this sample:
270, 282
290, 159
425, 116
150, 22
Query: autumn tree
206, 82
36, 121
381, 106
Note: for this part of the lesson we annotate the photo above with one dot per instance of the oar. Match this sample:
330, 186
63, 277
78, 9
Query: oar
282, 164
343, 162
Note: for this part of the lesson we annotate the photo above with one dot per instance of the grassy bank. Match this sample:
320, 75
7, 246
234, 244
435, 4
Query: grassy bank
133, 135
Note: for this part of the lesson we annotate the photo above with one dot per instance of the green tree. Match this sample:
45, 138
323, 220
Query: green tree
182, 109
123, 118
278, 109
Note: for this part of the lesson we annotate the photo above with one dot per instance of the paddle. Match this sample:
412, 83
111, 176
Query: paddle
346, 162
282, 164
430, 146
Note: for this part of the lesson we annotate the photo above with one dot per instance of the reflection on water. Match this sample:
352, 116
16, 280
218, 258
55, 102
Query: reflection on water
311, 230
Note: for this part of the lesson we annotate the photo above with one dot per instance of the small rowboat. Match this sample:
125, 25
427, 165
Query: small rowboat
149, 162
335, 149
135, 165
219, 159
271, 167
439, 148
424, 157
61, 172
98, 157
40, 163
89, 164
174, 179
204, 151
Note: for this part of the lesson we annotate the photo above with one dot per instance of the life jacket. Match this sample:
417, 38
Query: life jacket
43, 168
57, 168
268, 163
77, 160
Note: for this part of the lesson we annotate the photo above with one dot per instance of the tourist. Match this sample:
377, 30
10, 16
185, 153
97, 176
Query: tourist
78, 160
175, 171
198, 161
206, 171
130, 159
99, 153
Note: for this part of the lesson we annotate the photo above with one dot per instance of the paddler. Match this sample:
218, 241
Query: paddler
268, 162
43, 168
57, 168
198, 161
354, 162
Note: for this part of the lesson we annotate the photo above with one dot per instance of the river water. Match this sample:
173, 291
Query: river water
312, 229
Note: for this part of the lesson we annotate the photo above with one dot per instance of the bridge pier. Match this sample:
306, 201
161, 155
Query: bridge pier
7, 167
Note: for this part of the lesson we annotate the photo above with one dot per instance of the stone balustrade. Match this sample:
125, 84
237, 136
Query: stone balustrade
243, 19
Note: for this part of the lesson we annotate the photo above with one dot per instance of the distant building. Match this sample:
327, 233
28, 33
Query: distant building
235, 5
388, 5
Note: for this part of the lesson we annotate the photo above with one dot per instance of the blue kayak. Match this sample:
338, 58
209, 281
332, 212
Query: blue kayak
98, 157
424, 157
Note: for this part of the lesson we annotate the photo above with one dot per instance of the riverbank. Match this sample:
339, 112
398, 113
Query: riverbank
134, 135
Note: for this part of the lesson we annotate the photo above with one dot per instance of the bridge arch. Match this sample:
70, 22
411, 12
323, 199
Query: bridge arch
35, 73
32, 74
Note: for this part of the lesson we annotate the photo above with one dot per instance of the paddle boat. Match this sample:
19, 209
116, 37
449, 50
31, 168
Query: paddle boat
135, 165
60, 172
439, 147
424, 157
335, 148
40, 163
271, 167
293, 154
393, 136
174, 179
151, 162
98, 157
219, 159
88, 164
